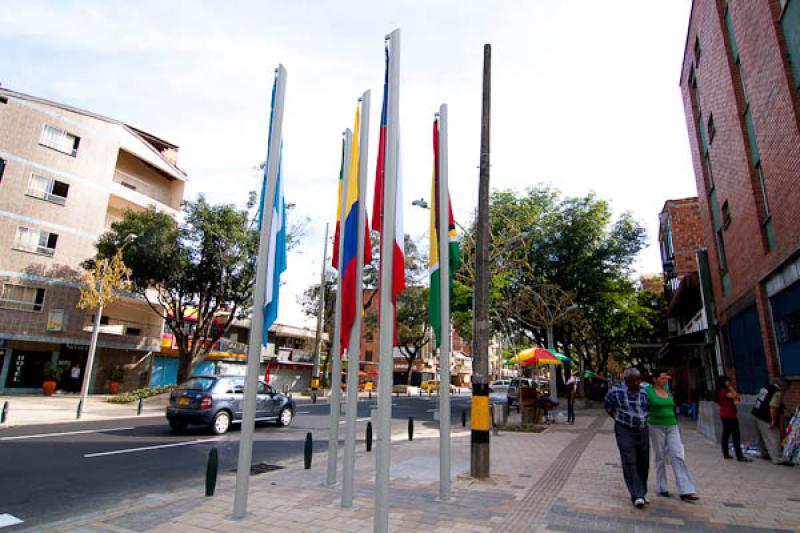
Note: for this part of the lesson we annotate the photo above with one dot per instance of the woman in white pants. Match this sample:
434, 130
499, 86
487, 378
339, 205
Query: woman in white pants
666, 439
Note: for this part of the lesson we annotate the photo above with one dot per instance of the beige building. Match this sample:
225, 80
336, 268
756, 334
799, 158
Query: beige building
65, 175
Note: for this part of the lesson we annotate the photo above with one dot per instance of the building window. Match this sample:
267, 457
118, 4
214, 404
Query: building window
697, 51
790, 23
726, 215
21, 298
48, 189
368, 355
711, 129
60, 140
35, 241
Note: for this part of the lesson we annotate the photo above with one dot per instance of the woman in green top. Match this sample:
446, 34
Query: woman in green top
666, 439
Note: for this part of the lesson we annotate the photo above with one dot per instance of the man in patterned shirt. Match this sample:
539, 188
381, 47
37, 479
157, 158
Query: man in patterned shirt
626, 403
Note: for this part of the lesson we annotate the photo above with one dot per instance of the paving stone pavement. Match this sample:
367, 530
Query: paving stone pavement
564, 479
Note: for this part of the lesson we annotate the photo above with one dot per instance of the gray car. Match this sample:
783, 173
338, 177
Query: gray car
218, 401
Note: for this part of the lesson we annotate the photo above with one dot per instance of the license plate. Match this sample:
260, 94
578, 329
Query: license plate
183, 402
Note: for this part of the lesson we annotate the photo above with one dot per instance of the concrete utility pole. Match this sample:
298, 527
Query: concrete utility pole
320, 317
479, 453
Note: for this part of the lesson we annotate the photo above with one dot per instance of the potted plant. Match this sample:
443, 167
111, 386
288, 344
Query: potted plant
52, 374
116, 376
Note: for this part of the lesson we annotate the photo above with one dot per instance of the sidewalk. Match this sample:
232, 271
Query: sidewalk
32, 409
566, 478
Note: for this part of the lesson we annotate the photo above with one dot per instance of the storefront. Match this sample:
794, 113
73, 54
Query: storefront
785, 309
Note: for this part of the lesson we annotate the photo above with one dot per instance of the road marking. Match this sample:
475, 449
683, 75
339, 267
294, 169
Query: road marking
9, 520
145, 448
43, 435
357, 420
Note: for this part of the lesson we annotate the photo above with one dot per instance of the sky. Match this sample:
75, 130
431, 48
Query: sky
585, 95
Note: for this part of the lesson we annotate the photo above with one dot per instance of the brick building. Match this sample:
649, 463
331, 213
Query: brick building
690, 351
740, 81
65, 175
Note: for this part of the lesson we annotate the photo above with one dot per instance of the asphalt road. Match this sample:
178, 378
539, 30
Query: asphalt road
58, 471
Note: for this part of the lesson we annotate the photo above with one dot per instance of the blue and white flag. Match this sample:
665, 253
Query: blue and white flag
276, 255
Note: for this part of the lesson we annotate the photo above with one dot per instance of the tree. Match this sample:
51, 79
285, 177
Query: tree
309, 303
197, 274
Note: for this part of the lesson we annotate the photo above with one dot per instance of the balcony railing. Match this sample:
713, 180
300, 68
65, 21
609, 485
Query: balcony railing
35, 249
143, 187
44, 195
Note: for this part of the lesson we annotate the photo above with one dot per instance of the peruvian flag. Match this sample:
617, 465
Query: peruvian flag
398, 266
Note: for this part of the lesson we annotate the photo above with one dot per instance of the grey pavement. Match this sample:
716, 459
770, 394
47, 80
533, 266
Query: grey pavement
566, 478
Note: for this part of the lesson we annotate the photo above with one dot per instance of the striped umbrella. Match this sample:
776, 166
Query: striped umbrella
537, 356
561, 357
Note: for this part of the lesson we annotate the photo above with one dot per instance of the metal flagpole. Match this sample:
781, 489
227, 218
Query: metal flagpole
336, 369
386, 343
257, 320
354, 351
444, 283
320, 318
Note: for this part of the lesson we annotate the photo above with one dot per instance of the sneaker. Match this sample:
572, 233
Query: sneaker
727, 457
690, 497
785, 463
638, 503
646, 501
664, 494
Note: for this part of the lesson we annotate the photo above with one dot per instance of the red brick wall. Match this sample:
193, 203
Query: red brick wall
687, 233
774, 105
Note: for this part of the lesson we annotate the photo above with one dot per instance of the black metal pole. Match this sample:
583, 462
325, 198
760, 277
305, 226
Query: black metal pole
307, 450
211, 471
369, 436
410, 428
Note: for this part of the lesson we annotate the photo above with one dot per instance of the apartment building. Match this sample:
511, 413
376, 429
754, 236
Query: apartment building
65, 175
740, 81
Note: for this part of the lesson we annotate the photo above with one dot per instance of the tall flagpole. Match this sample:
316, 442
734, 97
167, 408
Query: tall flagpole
354, 351
336, 370
320, 318
387, 312
257, 320
444, 282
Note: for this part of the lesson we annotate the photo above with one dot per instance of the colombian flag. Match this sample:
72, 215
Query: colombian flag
348, 271
453, 254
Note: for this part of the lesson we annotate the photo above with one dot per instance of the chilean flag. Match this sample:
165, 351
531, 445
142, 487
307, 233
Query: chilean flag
398, 267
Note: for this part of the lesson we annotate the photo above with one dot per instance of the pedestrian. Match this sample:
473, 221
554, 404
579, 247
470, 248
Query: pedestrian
728, 398
626, 403
666, 439
75, 377
768, 415
572, 385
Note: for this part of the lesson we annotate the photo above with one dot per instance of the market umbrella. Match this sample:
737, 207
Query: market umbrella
561, 357
537, 356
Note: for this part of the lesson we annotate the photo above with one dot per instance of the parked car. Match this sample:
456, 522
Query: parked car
514, 386
218, 402
431, 386
498, 393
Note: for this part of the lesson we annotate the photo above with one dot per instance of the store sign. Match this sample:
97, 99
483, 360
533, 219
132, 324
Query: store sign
55, 320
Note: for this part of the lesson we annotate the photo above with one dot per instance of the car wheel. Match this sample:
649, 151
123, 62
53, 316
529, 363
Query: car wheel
177, 425
221, 423
285, 417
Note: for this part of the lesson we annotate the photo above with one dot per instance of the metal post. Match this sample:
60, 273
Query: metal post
386, 341
335, 398
443, 205
87, 374
320, 319
354, 350
479, 451
211, 471
257, 316
551, 345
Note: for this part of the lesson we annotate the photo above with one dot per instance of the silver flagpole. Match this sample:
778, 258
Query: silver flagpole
257, 320
444, 283
336, 370
354, 352
386, 343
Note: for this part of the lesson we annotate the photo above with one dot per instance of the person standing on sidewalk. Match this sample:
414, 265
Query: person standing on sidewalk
572, 386
626, 403
768, 416
666, 439
727, 398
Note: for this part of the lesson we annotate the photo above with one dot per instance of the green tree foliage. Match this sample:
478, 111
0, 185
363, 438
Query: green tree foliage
575, 244
197, 274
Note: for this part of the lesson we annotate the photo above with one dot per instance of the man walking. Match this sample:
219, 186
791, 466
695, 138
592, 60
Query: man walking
626, 403
768, 415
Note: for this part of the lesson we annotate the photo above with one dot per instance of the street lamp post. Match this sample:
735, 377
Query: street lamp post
103, 296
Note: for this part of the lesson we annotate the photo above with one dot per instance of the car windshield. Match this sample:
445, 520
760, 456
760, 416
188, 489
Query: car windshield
199, 384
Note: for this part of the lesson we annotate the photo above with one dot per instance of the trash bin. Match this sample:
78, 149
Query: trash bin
499, 415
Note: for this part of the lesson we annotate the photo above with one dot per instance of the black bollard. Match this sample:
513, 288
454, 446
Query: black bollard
369, 436
4, 413
314, 397
211, 471
78, 410
463, 418
370, 394
307, 449
139, 409
410, 428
